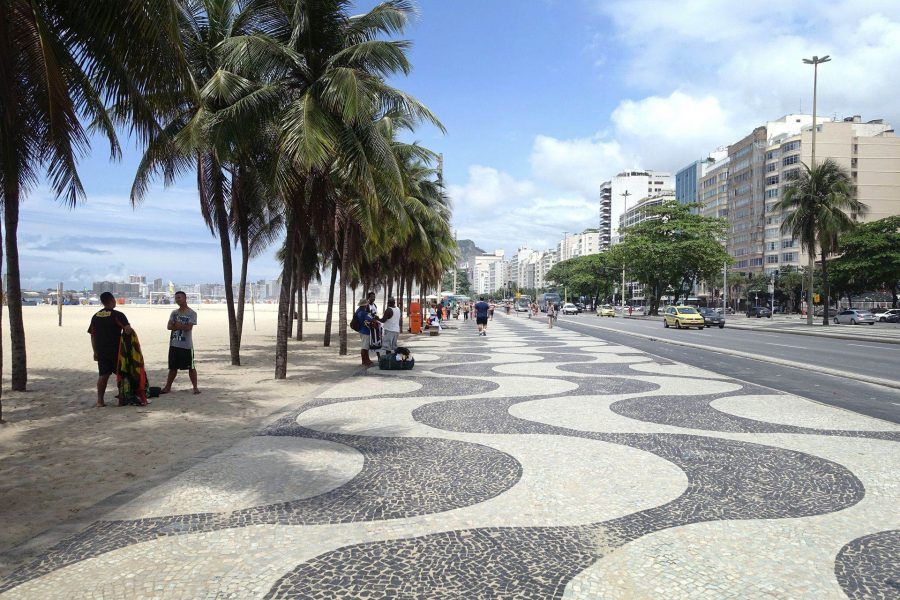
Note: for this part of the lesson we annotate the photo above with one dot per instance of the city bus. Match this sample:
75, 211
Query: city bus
548, 298
523, 303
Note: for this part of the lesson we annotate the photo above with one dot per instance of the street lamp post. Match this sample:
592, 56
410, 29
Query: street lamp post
624, 195
815, 61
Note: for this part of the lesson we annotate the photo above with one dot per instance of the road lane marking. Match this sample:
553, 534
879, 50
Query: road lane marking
868, 346
786, 346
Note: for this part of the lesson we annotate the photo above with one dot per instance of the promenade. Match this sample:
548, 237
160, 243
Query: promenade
531, 463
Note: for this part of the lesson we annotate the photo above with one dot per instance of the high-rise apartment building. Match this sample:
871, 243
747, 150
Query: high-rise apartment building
629, 188
605, 224
487, 273
869, 151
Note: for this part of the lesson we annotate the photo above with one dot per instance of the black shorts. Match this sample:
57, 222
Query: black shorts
181, 359
481, 320
106, 364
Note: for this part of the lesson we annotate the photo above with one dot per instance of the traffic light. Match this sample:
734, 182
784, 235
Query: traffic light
816, 299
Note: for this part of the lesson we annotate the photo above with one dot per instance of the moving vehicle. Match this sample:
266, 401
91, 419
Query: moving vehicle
682, 317
570, 309
523, 303
712, 317
606, 311
884, 315
759, 311
855, 317
549, 297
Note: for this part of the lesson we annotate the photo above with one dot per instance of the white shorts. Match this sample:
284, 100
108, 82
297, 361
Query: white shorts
364, 341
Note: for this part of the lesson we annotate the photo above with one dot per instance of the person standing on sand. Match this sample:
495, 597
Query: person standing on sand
390, 321
181, 343
106, 330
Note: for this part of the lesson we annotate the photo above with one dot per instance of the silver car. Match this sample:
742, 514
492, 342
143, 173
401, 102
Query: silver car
855, 317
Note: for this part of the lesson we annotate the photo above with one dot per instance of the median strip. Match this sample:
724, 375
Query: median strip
777, 361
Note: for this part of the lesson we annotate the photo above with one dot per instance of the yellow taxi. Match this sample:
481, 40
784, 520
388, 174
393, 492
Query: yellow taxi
606, 311
683, 316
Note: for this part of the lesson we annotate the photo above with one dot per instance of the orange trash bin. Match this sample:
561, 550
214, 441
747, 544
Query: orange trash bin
415, 317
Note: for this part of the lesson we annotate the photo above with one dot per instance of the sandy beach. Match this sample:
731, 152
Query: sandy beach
60, 456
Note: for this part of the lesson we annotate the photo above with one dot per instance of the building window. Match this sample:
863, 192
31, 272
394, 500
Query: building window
790, 160
772, 180
771, 232
787, 243
790, 146
853, 162
855, 148
756, 262
770, 245
789, 257
791, 175
771, 167
772, 260
773, 193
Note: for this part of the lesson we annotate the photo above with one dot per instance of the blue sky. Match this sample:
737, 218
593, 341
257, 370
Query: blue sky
542, 100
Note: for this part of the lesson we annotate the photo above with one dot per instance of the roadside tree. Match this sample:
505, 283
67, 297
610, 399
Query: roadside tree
870, 258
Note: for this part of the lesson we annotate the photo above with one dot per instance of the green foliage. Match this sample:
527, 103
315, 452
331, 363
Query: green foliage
674, 248
463, 287
870, 258
593, 276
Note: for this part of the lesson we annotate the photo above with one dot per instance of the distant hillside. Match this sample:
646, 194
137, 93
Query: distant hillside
467, 249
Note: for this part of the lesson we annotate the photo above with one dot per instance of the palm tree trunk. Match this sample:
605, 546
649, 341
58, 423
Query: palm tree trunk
306, 301
1, 326
825, 289
242, 286
14, 290
342, 300
284, 300
221, 217
292, 315
809, 288
299, 309
330, 309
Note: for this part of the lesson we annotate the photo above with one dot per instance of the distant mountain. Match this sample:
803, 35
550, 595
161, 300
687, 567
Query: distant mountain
467, 249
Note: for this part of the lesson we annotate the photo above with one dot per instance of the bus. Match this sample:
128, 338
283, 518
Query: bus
548, 298
523, 303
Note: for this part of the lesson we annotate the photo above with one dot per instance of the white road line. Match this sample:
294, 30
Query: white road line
867, 346
786, 346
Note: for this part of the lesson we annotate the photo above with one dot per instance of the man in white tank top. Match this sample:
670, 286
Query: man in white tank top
390, 322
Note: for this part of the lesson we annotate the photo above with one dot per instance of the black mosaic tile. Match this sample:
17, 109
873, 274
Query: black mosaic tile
868, 568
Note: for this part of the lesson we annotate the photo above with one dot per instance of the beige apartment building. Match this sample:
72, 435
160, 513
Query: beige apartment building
745, 206
870, 151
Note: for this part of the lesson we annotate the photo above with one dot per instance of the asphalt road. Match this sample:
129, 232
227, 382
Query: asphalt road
870, 358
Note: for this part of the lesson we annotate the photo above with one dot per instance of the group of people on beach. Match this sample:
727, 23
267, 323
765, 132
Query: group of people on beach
108, 326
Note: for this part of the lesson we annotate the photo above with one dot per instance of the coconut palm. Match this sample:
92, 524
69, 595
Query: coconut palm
197, 139
319, 76
818, 207
63, 64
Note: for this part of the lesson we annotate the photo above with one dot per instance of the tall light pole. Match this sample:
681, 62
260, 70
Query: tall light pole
815, 61
624, 195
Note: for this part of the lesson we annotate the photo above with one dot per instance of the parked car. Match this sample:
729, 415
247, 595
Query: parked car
855, 317
606, 310
884, 315
682, 317
570, 309
712, 317
892, 318
759, 311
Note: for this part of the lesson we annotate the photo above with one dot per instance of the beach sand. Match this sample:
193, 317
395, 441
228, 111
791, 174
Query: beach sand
59, 456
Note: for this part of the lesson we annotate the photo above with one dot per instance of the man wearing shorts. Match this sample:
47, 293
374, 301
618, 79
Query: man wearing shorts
481, 315
106, 330
181, 343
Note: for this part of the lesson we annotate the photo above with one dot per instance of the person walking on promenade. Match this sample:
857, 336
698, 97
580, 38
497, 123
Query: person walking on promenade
390, 322
551, 313
481, 315
181, 343
107, 326
491, 311
466, 311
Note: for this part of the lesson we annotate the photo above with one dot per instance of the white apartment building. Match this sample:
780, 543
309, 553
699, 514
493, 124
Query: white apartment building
629, 188
579, 244
488, 273
605, 224
635, 214
869, 151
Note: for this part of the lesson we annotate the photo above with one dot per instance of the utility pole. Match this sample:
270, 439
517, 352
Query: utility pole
815, 61
624, 195
724, 289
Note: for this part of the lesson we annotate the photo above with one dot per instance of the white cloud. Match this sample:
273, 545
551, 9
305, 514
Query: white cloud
486, 189
579, 165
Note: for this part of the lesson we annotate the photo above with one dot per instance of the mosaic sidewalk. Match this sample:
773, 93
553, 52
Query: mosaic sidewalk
527, 464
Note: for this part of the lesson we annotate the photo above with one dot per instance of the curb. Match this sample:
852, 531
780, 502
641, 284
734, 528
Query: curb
890, 383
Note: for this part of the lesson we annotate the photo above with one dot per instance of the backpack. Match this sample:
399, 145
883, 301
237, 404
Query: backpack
355, 322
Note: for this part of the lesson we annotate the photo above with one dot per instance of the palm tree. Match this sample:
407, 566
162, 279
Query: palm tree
63, 64
198, 138
319, 76
815, 208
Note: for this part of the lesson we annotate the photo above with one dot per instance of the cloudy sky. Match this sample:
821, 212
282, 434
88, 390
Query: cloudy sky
542, 100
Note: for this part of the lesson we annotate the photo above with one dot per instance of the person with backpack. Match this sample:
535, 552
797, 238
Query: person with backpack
360, 323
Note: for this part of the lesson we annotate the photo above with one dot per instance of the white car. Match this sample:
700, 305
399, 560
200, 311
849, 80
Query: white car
569, 309
886, 314
855, 317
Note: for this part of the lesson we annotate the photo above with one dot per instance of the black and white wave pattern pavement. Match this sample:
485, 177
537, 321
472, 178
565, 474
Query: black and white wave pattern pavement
527, 464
